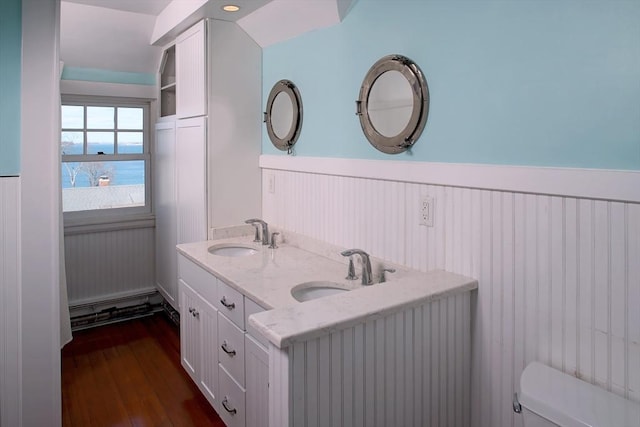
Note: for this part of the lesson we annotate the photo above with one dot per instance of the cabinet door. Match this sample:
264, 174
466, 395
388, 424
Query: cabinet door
257, 380
191, 83
208, 352
191, 179
189, 331
164, 197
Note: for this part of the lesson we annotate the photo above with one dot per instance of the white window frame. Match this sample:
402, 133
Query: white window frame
113, 215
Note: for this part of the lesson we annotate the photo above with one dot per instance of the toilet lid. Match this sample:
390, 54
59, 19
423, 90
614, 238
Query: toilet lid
570, 402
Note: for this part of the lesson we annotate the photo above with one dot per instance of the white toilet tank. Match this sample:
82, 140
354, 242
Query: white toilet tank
552, 398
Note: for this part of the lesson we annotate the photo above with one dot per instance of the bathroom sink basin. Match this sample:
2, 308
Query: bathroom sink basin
232, 250
317, 289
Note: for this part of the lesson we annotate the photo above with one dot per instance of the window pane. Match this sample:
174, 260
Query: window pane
100, 117
100, 142
72, 117
130, 118
72, 143
130, 142
102, 185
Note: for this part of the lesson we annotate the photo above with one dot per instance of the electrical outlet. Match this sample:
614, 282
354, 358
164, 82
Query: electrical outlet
271, 183
426, 211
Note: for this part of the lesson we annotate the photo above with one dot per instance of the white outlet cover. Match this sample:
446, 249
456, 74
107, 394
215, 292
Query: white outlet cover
426, 210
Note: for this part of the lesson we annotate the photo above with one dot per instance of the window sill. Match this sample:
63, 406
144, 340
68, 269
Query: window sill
100, 225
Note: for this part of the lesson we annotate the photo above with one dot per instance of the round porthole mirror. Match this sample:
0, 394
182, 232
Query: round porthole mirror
284, 115
393, 104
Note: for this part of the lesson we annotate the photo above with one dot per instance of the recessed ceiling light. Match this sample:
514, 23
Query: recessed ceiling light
231, 8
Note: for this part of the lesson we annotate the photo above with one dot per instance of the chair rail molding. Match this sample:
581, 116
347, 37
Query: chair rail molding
601, 184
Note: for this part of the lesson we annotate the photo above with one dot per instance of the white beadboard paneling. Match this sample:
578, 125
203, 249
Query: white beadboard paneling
107, 264
558, 271
378, 373
10, 307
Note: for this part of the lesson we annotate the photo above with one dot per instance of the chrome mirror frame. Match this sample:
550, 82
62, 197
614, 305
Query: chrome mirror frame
288, 141
420, 93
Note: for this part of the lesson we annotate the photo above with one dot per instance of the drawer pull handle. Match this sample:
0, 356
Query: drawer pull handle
227, 350
230, 306
225, 404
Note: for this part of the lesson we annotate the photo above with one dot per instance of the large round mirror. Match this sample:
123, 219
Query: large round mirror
393, 104
284, 115
390, 103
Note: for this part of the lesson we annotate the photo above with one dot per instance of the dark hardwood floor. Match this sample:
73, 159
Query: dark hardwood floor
129, 374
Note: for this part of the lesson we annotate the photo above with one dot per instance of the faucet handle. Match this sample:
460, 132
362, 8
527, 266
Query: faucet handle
351, 274
273, 244
386, 270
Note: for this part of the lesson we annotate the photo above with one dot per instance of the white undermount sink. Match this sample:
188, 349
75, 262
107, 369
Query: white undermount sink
232, 250
316, 289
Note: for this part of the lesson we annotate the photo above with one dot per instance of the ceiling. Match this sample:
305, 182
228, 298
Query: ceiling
147, 7
128, 35
155, 7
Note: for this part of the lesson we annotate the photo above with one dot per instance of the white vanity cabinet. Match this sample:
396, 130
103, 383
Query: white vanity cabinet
244, 362
212, 155
256, 362
230, 366
199, 327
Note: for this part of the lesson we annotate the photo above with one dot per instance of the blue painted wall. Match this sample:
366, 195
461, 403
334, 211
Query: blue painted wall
518, 82
10, 77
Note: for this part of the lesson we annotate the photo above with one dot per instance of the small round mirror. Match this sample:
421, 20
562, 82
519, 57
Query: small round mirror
283, 117
393, 104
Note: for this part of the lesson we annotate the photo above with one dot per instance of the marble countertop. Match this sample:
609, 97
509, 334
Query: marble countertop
268, 277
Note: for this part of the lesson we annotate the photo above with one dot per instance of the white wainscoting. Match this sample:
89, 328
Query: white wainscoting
109, 264
409, 369
559, 276
10, 289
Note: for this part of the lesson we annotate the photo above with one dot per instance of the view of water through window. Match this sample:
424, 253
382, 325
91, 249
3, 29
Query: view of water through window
118, 133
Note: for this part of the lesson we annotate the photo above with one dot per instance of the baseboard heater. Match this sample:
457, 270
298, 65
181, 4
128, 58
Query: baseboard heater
113, 314
171, 313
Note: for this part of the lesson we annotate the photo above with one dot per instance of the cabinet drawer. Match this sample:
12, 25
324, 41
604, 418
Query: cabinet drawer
250, 307
231, 348
232, 400
231, 303
200, 280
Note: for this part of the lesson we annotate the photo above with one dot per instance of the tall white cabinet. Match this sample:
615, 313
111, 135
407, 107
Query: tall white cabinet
164, 198
191, 180
191, 69
211, 176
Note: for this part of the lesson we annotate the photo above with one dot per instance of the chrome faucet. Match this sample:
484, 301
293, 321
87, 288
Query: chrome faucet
265, 229
366, 264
